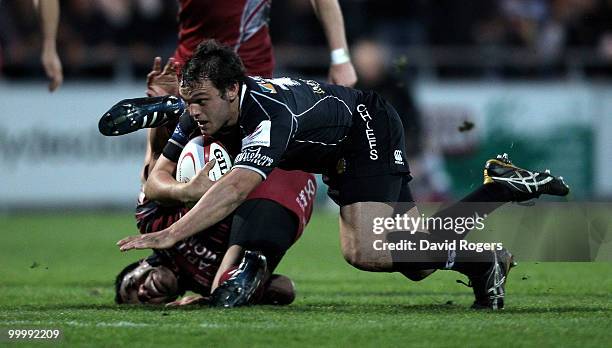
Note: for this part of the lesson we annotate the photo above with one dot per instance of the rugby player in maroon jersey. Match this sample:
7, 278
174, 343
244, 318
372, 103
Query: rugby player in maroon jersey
243, 25
283, 207
277, 214
192, 264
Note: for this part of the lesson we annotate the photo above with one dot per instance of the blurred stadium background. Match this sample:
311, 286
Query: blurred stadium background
532, 78
529, 77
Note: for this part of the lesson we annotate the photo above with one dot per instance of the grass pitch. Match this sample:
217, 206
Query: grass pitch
57, 271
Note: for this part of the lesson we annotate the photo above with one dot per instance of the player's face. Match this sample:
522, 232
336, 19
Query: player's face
148, 284
211, 109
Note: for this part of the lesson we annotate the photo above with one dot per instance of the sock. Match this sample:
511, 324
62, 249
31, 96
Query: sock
416, 260
482, 201
463, 261
470, 262
494, 192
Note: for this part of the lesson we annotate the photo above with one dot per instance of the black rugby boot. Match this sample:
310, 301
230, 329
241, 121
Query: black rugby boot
244, 282
523, 184
130, 115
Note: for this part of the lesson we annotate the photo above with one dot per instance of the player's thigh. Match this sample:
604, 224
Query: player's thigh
357, 238
365, 201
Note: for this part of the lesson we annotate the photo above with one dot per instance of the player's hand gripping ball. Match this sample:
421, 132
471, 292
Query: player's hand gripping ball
196, 154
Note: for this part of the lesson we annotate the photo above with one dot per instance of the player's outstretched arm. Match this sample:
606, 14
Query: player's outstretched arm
222, 198
49, 18
341, 71
161, 185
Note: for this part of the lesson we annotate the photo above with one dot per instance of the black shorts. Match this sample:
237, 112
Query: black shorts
379, 188
266, 226
372, 166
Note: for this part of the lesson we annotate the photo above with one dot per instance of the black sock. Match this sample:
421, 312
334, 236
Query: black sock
470, 262
481, 202
493, 193
418, 259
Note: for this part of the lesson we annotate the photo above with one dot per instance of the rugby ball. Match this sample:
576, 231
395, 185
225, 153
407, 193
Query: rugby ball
196, 154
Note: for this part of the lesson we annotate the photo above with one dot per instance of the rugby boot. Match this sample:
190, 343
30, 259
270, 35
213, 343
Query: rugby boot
490, 287
130, 115
523, 184
244, 282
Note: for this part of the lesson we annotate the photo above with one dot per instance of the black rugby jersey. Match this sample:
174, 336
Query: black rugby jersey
293, 124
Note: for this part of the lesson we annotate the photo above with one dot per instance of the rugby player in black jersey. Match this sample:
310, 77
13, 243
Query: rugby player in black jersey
356, 140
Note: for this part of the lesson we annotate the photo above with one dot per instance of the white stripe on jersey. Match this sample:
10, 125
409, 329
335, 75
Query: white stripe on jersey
242, 93
262, 108
314, 142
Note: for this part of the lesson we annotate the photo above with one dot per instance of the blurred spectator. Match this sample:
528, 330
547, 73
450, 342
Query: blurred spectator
593, 27
427, 165
456, 22
371, 62
107, 38
87, 36
19, 34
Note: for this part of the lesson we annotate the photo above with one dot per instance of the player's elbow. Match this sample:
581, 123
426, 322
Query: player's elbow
240, 182
153, 190
150, 187
150, 191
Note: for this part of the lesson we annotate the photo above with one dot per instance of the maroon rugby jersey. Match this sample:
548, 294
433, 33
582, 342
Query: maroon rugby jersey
197, 258
241, 24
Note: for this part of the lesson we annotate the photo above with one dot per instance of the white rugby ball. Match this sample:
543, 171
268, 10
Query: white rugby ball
195, 155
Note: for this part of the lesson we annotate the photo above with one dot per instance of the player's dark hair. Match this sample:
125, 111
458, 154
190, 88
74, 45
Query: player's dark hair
213, 61
119, 279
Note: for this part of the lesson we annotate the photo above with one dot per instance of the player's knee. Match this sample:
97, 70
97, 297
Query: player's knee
351, 256
359, 260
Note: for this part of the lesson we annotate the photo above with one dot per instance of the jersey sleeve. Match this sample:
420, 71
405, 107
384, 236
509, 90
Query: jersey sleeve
179, 138
268, 126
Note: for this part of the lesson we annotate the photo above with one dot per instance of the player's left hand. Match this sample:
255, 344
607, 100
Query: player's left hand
156, 240
53, 66
342, 74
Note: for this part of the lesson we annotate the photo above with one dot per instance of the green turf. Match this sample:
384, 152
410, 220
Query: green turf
56, 271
